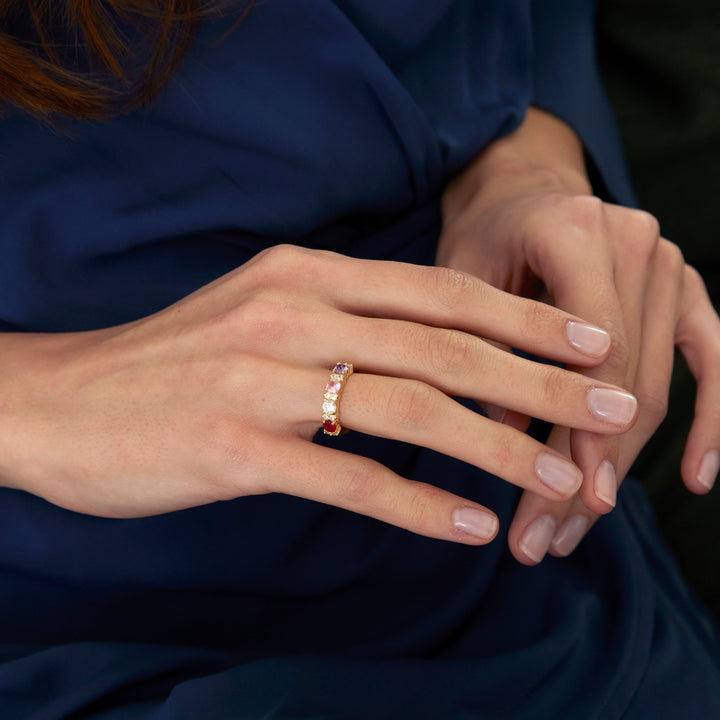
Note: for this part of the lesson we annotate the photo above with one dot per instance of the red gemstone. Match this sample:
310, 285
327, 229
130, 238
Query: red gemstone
329, 426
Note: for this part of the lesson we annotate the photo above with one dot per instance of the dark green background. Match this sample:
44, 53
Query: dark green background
661, 64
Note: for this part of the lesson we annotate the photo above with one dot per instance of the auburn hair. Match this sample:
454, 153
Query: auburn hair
92, 59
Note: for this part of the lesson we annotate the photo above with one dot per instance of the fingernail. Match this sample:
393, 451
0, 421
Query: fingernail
606, 483
709, 469
613, 406
557, 473
569, 535
475, 522
537, 537
588, 339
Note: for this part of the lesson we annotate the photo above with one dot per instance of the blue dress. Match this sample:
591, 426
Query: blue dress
331, 124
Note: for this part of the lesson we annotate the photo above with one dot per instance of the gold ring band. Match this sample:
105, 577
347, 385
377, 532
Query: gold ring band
331, 399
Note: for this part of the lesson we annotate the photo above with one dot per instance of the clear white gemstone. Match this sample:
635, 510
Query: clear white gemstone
331, 396
329, 407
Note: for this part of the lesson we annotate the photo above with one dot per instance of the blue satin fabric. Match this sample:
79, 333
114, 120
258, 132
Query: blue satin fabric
332, 125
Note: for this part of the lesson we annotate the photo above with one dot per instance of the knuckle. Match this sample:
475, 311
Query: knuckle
555, 384
263, 266
281, 255
585, 212
412, 405
654, 406
537, 319
589, 211
646, 224
358, 484
451, 352
422, 509
643, 234
619, 359
671, 259
693, 280
280, 265
451, 287
695, 303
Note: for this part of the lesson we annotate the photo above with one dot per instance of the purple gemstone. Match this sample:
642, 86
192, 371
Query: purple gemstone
340, 368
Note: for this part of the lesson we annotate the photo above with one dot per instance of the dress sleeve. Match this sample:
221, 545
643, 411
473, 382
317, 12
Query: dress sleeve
567, 83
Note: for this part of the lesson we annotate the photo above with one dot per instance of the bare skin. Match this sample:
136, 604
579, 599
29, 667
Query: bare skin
219, 395
522, 217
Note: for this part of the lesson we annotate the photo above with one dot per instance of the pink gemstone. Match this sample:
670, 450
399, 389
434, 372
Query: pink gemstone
329, 426
333, 387
340, 368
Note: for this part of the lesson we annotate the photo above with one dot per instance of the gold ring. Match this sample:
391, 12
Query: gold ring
331, 400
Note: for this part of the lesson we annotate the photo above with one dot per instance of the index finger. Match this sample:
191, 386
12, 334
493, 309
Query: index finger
449, 298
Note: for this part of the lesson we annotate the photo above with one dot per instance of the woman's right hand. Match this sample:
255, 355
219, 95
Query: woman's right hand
220, 395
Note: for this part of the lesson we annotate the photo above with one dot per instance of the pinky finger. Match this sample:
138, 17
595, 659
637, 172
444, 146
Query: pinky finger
698, 337
701, 459
367, 487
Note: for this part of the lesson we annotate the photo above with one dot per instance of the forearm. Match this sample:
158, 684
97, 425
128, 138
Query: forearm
28, 366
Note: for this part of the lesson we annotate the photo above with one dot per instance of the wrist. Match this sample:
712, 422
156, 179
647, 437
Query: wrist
543, 154
542, 141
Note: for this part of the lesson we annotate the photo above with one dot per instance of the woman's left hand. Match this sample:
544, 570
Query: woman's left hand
529, 229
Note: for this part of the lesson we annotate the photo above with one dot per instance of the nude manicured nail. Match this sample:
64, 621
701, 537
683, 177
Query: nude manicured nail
709, 469
475, 522
537, 537
557, 473
568, 537
606, 483
613, 406
588, 339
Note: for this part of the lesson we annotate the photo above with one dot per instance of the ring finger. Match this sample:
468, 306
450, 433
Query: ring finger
415, 412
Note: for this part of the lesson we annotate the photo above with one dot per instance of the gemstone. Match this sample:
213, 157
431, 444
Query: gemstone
329, 407
340, 369
333, 387
329, 426
331, 396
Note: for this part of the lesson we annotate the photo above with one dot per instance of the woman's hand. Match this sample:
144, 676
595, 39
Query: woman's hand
533, 228
219, 395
